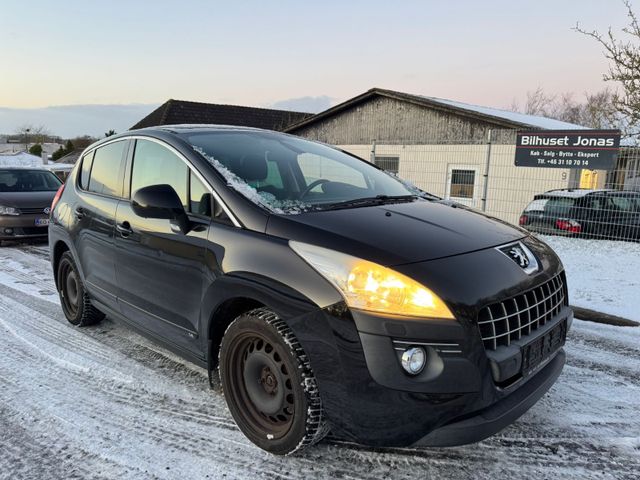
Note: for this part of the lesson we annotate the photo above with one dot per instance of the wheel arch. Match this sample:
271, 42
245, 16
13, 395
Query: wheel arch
231, 296
56, 254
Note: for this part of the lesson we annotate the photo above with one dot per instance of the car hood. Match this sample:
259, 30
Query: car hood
397, 233
26, 199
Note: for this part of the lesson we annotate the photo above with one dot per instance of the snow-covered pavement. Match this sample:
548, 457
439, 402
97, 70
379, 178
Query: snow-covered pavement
103, 402
603, 275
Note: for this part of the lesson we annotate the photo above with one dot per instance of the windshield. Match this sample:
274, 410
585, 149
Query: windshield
17, 180
291, 175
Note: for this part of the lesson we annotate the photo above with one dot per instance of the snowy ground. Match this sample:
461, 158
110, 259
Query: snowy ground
103, 402
603, 275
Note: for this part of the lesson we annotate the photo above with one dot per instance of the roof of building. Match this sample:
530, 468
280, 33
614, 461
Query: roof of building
495, 116
179, 112
26, 160
71, 157
20, 159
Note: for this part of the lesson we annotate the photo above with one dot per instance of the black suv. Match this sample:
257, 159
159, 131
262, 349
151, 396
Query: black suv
609, 214
327, 293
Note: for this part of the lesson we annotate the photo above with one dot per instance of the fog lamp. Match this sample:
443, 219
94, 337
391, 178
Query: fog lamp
413, 360
8, 231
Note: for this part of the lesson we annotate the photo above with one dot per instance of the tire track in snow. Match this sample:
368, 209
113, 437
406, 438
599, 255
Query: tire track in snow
165, 423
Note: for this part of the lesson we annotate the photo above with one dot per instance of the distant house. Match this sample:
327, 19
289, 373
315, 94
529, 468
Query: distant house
174, 112
443, 147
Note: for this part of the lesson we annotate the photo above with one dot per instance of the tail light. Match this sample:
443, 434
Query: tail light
523, 220
570, 226
57, 197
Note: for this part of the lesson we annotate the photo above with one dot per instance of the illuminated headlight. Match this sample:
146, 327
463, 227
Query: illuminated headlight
368, 286
413, 360
9, 210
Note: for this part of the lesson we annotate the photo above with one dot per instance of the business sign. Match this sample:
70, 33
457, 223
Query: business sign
590, 149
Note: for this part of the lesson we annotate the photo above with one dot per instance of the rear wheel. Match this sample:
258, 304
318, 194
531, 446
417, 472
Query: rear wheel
269, 385
74, 299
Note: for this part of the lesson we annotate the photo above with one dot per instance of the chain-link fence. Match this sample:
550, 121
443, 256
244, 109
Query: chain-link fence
475, 167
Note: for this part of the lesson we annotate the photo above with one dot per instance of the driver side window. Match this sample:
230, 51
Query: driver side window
154, 164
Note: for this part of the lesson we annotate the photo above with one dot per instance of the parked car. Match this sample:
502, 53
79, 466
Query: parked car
326, 293
610, 214
25, 201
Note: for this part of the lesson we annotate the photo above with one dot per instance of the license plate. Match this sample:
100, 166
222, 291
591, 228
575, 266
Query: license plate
42, 222
537, 352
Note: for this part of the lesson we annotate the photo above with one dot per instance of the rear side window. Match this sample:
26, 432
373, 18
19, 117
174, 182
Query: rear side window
595, 203
154, 164
559, 207
105, 170
624, 204
85, 170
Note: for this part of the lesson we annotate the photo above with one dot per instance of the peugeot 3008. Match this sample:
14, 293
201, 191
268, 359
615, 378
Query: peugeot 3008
325, 292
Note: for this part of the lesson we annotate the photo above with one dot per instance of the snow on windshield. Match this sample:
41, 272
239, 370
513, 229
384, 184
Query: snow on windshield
264, 199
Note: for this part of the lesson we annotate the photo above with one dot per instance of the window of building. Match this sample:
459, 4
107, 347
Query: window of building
462, 183
105, 171
154, 164
391, 164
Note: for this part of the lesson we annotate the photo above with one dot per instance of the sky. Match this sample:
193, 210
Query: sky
289, 54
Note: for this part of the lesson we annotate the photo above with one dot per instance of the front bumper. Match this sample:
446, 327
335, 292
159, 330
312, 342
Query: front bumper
503, 413
16, 227
370, 400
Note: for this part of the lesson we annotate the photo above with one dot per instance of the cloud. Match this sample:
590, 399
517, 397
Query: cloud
304, 104
74, 120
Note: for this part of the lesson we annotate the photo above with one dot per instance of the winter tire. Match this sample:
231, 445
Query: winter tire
269, 385
74, 299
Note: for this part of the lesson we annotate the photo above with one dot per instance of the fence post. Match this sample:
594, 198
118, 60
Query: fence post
486, 173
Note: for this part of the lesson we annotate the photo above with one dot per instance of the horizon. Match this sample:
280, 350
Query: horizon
292, 57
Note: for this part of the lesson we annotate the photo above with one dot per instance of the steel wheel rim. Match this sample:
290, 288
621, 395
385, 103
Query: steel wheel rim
262, 386
69, 288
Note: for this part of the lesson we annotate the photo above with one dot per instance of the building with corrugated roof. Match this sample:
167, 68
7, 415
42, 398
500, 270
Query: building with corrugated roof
175, 112
446, 147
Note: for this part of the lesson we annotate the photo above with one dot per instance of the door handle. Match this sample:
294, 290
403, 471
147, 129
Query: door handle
79, 212
124, 228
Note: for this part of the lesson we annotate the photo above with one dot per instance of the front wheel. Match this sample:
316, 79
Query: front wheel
269, 385
74, 299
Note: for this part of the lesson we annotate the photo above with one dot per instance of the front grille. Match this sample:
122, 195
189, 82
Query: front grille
504, 322
34, 230
31, 211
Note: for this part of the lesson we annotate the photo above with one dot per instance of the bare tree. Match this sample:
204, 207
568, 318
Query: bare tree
32, 134
537, 102
624, 68
596, 110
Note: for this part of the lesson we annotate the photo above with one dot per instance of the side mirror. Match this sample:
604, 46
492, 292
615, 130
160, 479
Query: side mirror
161, 201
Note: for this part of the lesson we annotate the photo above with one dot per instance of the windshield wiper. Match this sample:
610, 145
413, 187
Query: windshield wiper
369, 201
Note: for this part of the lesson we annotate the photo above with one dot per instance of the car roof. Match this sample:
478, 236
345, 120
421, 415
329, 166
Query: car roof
572, 192
624, 193
187, 127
